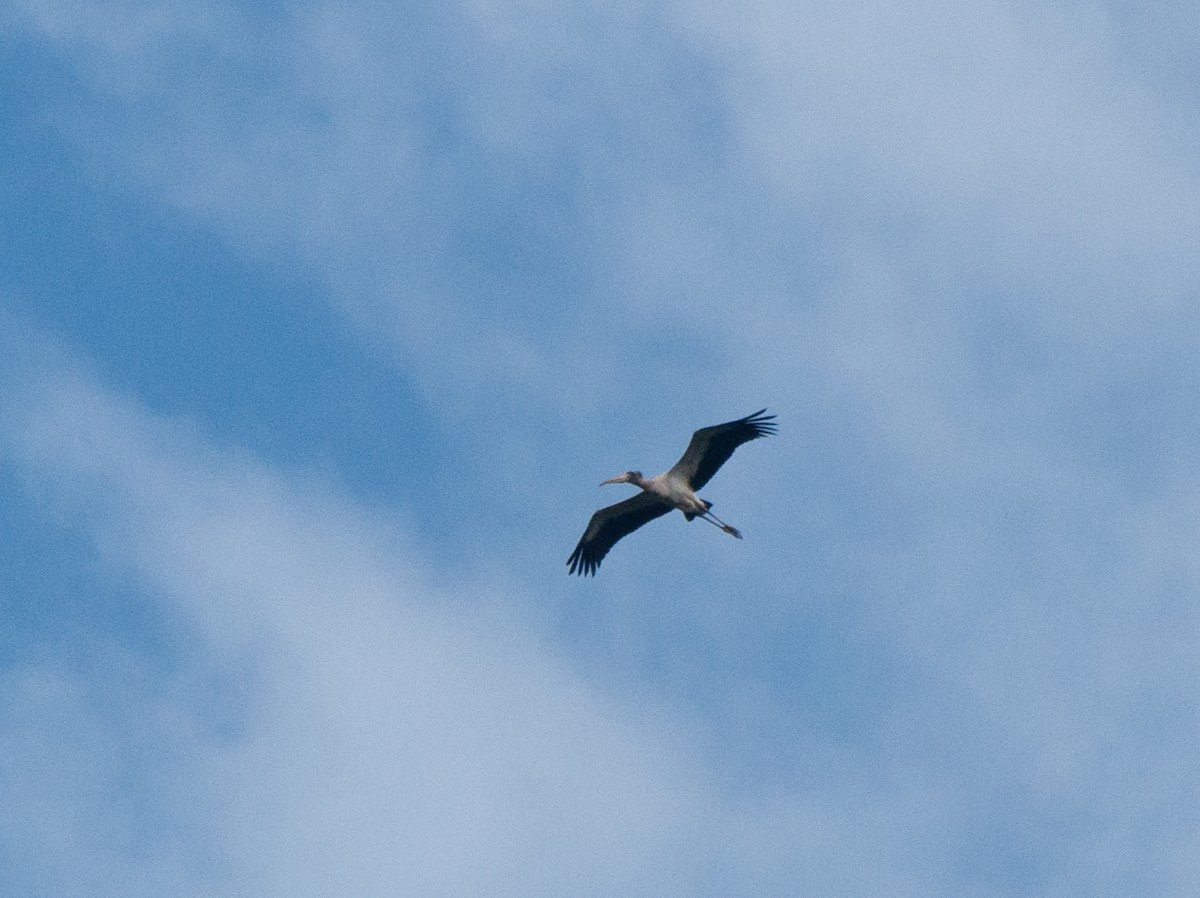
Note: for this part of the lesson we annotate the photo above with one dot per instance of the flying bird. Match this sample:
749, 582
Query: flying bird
709, 449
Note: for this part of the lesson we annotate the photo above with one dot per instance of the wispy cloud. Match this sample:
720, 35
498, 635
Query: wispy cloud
381, 734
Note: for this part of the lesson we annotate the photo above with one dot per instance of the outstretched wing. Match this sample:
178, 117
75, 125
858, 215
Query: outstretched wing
711, 446
608, 525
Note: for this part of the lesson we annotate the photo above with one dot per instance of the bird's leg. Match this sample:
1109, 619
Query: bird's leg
717, 522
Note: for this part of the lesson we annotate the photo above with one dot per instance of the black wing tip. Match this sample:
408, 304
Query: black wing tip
762, 424
580, 565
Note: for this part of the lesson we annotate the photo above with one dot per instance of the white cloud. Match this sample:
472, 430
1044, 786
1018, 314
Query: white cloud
1018, 148
457, 194
383, 733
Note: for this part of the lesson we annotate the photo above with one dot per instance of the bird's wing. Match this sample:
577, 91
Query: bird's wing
608, 525
711, 446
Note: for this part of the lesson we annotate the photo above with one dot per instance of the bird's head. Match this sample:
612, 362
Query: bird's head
627, 477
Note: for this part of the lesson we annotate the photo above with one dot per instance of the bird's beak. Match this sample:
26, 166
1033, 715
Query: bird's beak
620, 478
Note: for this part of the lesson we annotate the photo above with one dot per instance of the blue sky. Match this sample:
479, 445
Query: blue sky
321, 322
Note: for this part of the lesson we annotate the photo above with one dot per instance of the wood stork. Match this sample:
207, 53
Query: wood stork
709, 449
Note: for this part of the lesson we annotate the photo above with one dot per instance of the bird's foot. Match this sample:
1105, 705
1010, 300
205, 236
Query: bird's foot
732, 531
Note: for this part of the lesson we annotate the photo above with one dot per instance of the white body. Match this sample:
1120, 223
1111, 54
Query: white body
675, 491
